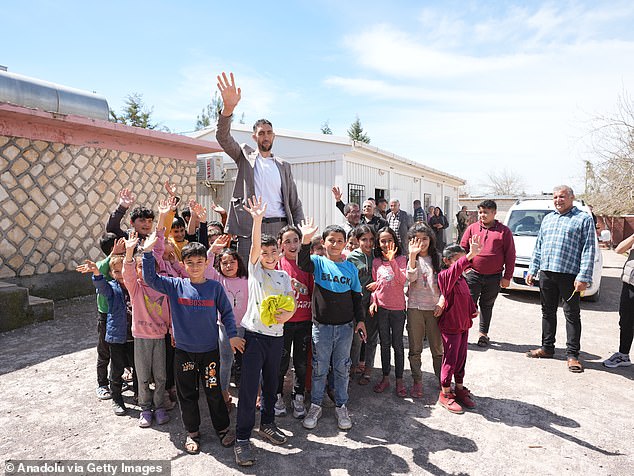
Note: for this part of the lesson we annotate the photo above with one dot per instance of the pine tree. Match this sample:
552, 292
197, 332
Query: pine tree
210, 113
325, 128
355, 132
135, 113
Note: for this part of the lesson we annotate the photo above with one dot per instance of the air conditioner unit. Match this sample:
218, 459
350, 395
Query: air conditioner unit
210, 169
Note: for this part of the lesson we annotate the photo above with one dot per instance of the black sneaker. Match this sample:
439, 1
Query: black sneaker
244, 454
271, 432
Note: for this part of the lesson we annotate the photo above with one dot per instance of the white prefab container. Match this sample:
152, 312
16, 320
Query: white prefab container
321, 161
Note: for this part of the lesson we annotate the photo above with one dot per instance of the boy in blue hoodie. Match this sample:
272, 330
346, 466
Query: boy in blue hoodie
195, 303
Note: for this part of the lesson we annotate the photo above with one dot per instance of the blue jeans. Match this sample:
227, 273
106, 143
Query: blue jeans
331, 343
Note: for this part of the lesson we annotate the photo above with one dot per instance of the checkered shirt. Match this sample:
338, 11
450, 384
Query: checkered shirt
566, 244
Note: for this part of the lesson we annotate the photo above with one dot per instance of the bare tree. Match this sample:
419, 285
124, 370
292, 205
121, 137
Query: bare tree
610, 173
504, 182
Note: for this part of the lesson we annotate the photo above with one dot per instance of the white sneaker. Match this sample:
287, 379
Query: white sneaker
618, 360
280, 406
299, 411
343, 419
311, 419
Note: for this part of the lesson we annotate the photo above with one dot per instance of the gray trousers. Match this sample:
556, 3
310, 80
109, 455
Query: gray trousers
149, 360
244, 242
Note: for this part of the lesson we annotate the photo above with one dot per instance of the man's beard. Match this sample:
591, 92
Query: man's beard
265, 148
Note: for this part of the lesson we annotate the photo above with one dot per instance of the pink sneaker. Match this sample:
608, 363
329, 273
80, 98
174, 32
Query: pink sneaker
448, 400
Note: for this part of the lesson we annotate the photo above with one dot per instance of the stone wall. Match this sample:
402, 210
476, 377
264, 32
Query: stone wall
56, 198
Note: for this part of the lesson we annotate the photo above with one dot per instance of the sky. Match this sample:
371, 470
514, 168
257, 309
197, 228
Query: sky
468, 87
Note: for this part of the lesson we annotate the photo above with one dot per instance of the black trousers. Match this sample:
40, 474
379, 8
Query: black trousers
121, 356
298, 336
484, 289
169, 361
190, 369
103, 351
626, 321
553, 288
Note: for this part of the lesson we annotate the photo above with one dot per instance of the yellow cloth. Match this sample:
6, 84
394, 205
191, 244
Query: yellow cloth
272, 304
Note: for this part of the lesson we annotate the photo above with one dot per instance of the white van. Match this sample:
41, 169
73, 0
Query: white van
524, 219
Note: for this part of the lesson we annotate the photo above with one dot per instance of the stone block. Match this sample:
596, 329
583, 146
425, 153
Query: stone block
30, 208
26, 181
70, 191
49, 189
35, 232
61, 198
31, 155
22, 221
36, 170
64, 158
41, 221
16, 262
22, 142
57, 221
15, 234
109, 176
11, 152
27, 246
58, 267
60, 181
40, 145
8, 180
52, 258
3, 141
48, 157
9, 208
75, 220
20, 196
51, 208
81, 161
38, 197
26, 270
4, 195
53, 169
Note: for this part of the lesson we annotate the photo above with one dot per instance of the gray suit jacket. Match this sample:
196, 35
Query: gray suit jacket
239, 221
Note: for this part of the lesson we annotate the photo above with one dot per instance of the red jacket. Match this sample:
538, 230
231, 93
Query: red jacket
459, 309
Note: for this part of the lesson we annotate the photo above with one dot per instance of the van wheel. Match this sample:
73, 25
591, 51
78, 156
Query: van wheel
594, 298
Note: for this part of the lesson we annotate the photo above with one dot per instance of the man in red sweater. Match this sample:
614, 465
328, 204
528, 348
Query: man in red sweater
493, 267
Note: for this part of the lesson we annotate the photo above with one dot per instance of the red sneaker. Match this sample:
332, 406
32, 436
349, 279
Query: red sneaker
448, 400
463, 396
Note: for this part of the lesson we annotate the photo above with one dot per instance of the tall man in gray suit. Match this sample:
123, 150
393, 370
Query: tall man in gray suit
260, 173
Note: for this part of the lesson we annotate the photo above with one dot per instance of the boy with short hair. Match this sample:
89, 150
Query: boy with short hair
118, 326
195, 303
493, 267
141, 218
336, 306
264, 334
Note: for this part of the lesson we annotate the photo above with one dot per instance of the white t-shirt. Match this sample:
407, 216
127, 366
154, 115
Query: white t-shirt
268, 185
263, 283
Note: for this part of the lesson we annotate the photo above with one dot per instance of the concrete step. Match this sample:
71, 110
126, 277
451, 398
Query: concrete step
41, 309
18, 309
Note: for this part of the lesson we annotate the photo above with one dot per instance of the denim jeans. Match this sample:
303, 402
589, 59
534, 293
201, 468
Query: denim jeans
331, 343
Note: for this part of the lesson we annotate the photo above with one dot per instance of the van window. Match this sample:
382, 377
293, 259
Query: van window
526, 222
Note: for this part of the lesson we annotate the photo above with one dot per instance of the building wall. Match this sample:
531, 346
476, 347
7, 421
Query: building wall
56, 199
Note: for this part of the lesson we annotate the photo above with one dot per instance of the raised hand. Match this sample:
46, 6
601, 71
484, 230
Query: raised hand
218, 209
163, 207
474, 246
415, 245
119, 247
222, 242
88, 267
336, 192
230, 94
132, 241
126, 198
256, 207
308, 229
169, 189
391, 251
200, 211
150, 242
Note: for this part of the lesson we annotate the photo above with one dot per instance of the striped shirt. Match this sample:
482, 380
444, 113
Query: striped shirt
566, 244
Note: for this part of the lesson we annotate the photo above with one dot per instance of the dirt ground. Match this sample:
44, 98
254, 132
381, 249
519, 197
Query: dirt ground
532, 417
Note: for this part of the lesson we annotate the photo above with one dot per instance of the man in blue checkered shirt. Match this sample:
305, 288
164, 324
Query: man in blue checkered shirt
564, 257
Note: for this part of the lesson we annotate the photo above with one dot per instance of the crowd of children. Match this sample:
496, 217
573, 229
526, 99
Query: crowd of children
178, 309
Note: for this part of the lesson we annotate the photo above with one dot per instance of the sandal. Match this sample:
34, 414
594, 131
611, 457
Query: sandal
417, 390
382, 386
539, 354
227, 437
192, 444
483, 341
364, 379
401, 390
574, 365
